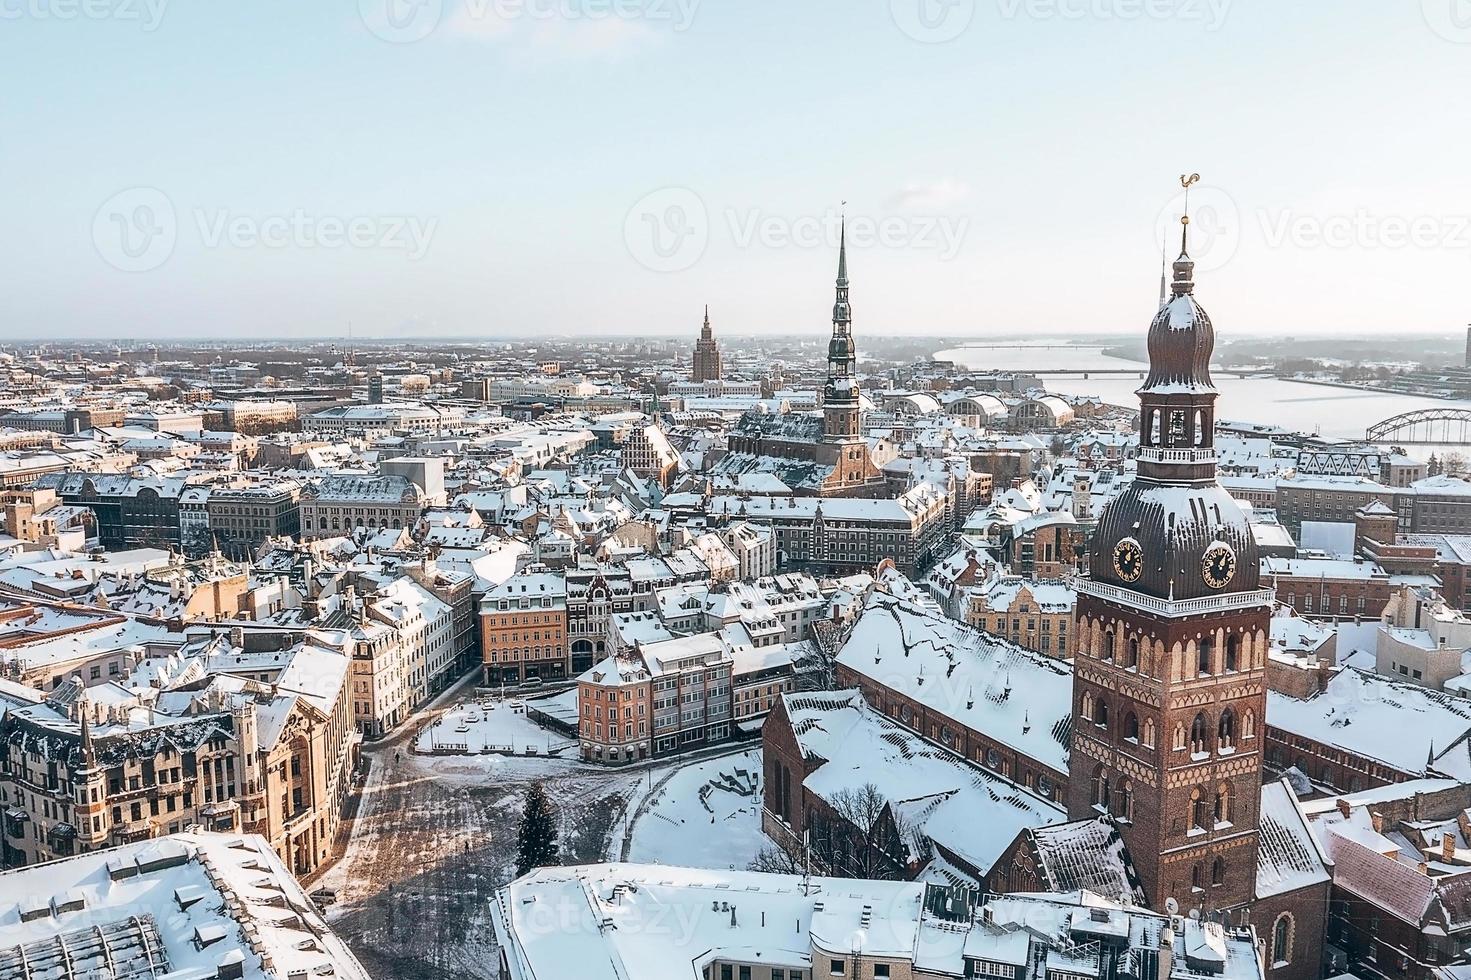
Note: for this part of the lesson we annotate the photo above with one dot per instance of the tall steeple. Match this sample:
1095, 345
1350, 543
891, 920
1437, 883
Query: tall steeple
1169, 686
1178, 399
841, 421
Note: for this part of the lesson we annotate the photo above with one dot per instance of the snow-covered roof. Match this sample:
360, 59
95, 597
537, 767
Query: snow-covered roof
969, 811
1009, 694
655, 922
1357, 708
189, 905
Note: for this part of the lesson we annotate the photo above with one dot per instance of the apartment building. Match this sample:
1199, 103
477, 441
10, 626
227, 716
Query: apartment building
524, 630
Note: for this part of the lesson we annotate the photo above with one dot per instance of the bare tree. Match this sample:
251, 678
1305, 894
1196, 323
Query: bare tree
776, 860
861, 836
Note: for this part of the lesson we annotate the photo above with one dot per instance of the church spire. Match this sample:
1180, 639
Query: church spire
842, 312
1184, 284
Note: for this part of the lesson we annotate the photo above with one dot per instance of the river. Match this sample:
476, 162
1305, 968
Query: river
1295, 405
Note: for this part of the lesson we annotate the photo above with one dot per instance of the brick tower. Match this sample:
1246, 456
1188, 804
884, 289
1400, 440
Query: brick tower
1169, 693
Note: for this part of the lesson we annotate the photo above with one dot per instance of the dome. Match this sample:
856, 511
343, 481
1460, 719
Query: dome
1181, 339
1174, 527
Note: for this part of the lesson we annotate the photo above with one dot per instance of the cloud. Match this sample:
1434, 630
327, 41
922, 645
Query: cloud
936, 195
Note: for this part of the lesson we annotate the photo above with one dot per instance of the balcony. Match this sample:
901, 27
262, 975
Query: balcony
1176, 607
1156, 454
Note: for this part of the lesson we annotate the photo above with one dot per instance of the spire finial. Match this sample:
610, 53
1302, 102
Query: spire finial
1187, 182
843, 245
1184, 283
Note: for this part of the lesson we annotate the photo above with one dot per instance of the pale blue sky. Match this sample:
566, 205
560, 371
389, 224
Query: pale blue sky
496, 172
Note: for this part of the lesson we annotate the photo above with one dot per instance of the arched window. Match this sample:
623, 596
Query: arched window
1085, 705
1197, 809
1131, 727
1179, 740
1146, 737
1205, 653
1223, 804
1248, 724
1131, 661
1195, 879
1100, 713
1218, 871
1200, 735
1233, 652
1100, 788
1124, 801
1226, 730
1282, 929
1106, 653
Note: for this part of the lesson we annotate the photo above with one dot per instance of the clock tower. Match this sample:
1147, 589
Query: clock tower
1169, 691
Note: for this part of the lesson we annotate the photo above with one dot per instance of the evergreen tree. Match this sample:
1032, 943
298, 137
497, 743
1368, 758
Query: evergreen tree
536, 844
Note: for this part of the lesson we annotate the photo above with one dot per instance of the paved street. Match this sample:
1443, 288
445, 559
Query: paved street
437, 835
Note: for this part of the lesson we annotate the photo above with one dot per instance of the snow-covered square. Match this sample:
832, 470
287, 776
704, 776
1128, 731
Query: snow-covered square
705, 815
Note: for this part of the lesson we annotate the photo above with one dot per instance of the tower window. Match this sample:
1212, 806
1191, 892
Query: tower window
1200, 736
1223, 804
1233, 652
1218, 871
1197, 809
1205, 654
1226, 730
1131, 727
1177, 428
1100, 713
1133, 657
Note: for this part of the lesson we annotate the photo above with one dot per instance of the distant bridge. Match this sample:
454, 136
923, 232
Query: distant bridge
1136, 372
1427, 426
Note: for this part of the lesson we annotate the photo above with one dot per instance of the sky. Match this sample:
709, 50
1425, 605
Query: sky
489, 168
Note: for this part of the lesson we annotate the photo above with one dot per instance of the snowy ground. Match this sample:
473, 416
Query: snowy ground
490, 725
436, 836
706, 815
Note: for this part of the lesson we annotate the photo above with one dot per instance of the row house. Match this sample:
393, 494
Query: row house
238, 756
523, 629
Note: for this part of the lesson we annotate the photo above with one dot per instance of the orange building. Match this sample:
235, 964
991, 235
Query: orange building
523, 629
614, 704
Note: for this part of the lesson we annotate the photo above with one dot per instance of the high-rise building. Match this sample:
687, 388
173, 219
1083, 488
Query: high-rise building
1169, 693
706, 365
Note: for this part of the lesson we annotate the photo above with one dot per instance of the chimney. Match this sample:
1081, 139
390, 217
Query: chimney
1166, 951
1447, 847
1345, 808
1377, 819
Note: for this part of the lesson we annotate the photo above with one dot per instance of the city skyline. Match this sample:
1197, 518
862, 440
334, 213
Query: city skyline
446, 169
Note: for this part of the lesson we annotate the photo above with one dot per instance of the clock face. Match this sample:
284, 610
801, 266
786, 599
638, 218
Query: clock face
1218, 565
1128, 560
